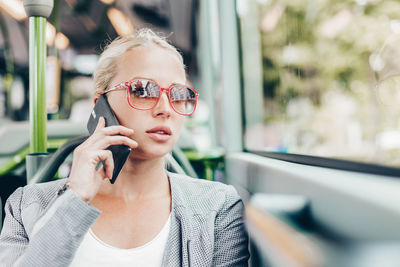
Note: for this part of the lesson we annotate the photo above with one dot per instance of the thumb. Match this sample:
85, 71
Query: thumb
101, 123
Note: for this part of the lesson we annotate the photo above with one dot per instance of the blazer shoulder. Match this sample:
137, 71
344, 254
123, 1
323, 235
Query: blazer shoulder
201, 194
197, 185
41, 193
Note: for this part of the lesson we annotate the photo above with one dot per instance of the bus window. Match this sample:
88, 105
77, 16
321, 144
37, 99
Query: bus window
322, 78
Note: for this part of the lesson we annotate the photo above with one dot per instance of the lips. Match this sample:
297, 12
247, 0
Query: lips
165, 130
160, 133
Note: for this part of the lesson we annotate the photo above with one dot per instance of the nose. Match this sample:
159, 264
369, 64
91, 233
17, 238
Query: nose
163, 108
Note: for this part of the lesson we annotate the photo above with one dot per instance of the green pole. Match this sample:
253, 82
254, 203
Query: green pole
37, 84
38, 11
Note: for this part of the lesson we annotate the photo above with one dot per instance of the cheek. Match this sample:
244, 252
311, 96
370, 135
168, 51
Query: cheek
133, 121
179, 125
126, 116
119, 106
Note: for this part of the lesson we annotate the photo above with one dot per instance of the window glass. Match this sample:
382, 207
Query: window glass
330, 78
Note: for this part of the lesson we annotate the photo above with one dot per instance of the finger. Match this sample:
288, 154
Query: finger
109, 162
116, 140
117, 129
100, 133
106, 157
100, 124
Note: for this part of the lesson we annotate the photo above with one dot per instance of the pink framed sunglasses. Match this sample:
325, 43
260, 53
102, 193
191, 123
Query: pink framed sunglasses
144, 94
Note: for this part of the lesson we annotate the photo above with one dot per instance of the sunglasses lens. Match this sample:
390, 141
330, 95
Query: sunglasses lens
143, 94
183, 99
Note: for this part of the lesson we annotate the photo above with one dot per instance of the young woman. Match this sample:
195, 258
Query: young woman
148, 217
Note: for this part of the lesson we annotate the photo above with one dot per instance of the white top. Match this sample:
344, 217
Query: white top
94, 252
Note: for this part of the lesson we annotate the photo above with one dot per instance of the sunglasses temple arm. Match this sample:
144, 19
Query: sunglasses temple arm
117, 87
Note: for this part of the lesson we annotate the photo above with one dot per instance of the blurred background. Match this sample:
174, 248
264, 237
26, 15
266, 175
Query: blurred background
299, 109
76, 32
329, 73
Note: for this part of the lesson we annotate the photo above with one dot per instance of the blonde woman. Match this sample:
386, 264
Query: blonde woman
149, 216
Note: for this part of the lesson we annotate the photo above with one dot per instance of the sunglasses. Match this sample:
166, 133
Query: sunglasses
144, 94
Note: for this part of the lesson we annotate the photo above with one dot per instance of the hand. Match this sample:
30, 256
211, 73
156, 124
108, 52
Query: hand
85, 179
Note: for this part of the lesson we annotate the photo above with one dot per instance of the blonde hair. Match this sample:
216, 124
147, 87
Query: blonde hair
106, 67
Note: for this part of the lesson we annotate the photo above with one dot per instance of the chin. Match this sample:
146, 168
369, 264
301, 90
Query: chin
151, 152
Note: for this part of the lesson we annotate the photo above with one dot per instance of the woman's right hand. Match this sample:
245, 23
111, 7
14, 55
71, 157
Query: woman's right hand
84, 178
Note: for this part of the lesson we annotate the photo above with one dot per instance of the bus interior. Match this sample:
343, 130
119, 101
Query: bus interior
299, 110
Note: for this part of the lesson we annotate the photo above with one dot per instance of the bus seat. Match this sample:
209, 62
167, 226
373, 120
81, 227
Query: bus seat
274, 241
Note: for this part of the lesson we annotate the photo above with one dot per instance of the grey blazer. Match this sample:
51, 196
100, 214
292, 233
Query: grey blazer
44, 225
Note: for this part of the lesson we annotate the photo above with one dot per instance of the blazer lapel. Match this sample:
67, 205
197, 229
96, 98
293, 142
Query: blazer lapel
176, 252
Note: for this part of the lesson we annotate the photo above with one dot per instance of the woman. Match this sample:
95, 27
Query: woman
148, 217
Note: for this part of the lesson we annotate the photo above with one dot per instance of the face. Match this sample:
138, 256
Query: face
163, 67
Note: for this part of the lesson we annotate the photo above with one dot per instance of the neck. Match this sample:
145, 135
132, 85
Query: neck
139, 179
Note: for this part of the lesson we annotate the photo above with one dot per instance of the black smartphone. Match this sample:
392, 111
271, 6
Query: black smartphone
119, 152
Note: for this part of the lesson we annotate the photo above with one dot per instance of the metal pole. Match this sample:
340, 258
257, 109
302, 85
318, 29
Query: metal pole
208, 66
231, 77
252, 71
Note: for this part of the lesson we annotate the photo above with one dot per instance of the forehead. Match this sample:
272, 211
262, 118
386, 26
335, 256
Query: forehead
156, 63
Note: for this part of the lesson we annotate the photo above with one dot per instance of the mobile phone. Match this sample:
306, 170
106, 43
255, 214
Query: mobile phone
120, 153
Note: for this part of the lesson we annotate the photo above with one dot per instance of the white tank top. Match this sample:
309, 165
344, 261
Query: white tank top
94, 252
